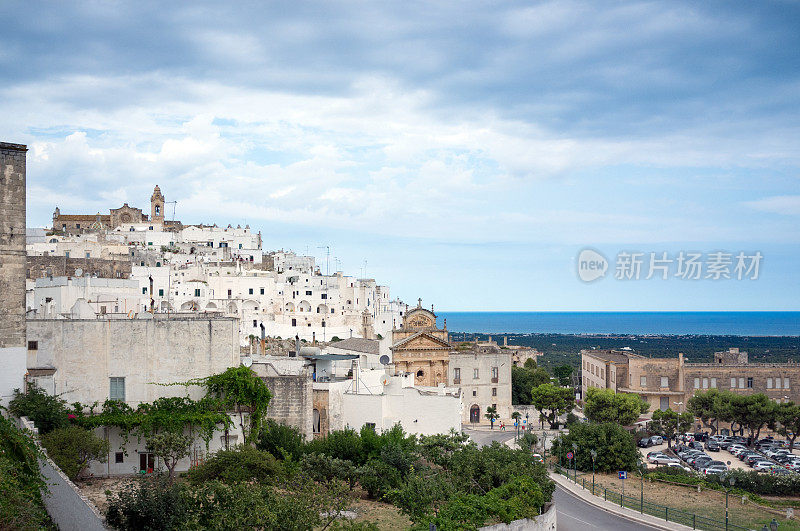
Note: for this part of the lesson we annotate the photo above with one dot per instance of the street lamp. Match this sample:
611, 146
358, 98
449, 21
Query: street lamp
642, 468
575, 460
593, 453
731, 482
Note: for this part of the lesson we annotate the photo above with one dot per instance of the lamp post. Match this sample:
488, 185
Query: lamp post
575, 461
731, 482
642, 468
593, 453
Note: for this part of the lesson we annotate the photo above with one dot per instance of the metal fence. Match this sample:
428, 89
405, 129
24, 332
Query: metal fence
638, 503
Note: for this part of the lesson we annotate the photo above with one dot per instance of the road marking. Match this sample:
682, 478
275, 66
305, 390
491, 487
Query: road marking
578, 519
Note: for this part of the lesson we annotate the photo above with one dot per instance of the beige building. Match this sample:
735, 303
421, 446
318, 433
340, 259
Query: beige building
671, 382
484, 375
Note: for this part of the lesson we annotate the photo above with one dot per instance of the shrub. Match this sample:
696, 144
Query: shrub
21, 484
46, 411
243, 463
324, 468
345, 444
764, 484
73, 448
281, 440
148, 503
378, 478
520, 498
614, 446
528, 441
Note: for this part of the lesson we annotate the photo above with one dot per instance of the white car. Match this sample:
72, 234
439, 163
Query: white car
657, 439
663, 460
678, 465
762, 466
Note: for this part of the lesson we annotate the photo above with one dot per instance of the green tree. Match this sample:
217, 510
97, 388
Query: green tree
605, 405
613, 444
73, 448
669, 423
171, 447
787, 422
708, 406
240, 464
758, 412
564, 374
523, 379
491, 414
552, 401
240, 389
46, 411
281, 440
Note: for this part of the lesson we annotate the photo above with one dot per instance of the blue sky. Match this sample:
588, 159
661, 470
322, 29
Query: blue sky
466, 151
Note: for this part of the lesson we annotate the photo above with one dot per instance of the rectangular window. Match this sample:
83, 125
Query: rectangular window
495, 374
230, 293
602, 373
733, 383
88, 255
741, 383
642, 381
160, 292
475, 373
308, 292
769, 383
705, 383
33, 345
786, 383
77, 225
474, 392
324, 295
494, 391
197, 292
116, 388
713, 383
66, 254
262, 291
119, 457
750, 383
250, 291
664, 381
457, 374
144, 291
697, 383
255, 323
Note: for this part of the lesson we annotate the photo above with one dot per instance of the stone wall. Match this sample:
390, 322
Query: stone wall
61, 266
292, 401
12, 268
86, 353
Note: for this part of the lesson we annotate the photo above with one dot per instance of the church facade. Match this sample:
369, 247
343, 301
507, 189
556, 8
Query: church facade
421, 348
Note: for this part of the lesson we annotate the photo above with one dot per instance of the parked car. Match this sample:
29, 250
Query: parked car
712, 446
716, 469
754, 458
701, 462
645, 442
657, 439
678, 465
701, 436
662, 459
655, 452
778, 471
696, 445
763, 466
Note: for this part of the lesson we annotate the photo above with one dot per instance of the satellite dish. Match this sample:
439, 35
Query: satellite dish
384, 359
247, 361
385, 380
78, 272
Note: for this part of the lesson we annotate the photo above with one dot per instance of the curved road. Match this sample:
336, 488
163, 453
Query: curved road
574, 514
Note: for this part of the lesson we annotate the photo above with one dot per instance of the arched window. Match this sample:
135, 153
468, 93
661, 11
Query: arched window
475, 414
420, 373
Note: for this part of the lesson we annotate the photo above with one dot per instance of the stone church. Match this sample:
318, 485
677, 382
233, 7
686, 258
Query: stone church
82, 223
421, 348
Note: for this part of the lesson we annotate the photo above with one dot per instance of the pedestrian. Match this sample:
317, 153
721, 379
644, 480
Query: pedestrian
502, 426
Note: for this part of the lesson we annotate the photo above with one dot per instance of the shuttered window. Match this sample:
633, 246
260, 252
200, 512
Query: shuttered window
117, 388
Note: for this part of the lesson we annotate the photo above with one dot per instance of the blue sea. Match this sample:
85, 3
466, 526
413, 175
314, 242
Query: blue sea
640, 323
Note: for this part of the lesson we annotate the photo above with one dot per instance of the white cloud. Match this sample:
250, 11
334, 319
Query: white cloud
788, 205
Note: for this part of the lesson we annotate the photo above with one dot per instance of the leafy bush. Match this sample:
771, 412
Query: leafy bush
528, 441
763, 484
46, 411
345, 444
21, 484
324, 468
378, 478
281, 440
148, 503
614, 446
73, 448
242, 463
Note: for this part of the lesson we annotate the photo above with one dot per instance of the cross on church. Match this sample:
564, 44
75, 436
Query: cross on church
419, 302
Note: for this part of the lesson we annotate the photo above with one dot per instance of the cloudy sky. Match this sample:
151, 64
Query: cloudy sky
463, 152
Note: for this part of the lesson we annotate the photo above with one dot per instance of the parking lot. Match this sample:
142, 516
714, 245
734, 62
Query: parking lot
722, 455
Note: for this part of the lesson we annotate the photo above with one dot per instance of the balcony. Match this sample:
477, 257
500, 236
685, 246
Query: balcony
494, 379
456, 381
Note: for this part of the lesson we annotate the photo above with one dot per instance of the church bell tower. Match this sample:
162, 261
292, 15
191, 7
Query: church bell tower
157, 206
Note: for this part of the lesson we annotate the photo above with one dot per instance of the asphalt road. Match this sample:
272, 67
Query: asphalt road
574, 514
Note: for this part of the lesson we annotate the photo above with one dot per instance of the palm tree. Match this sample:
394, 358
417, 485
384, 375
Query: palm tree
491, 414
